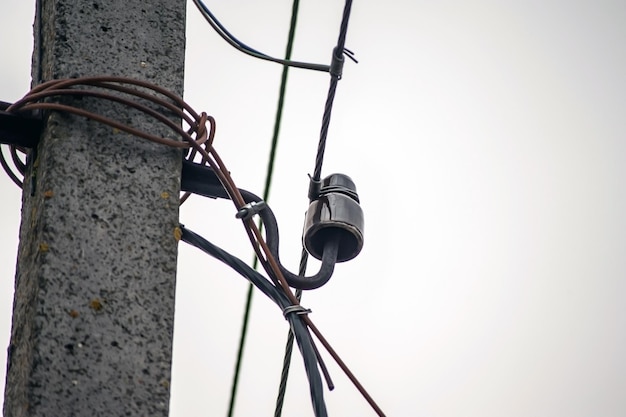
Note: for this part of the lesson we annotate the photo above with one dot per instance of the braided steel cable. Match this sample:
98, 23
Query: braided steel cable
284, 374
7, 168
335, 75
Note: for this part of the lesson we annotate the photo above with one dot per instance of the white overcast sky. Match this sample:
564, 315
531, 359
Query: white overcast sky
487, 142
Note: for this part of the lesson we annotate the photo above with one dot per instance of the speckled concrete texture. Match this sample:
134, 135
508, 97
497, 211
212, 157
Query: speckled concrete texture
94, 301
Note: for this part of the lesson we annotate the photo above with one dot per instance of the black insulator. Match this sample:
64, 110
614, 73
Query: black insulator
336, 213
334, 226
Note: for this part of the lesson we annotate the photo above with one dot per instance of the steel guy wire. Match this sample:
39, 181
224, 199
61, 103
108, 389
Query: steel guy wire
335, 75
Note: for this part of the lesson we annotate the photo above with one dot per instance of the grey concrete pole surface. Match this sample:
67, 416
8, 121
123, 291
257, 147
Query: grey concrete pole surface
94, 294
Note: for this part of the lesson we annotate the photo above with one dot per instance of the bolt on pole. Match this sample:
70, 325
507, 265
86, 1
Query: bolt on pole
93, 310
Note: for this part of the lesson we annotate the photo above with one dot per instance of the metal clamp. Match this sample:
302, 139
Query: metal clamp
246, 212
296, 309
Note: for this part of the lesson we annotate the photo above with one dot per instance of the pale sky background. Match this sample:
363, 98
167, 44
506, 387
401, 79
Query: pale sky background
487, 143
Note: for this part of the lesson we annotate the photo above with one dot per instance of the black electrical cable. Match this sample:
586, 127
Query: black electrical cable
299, 328
284, 373
8, 169
335, 75
226, 35
201, 180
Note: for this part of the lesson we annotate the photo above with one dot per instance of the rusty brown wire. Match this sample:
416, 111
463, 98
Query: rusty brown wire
176, 106
203, 137
31, 101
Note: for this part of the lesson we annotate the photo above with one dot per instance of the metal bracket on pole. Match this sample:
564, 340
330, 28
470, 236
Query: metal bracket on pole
19, 130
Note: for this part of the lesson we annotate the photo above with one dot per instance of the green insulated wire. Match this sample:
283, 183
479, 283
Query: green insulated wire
266, 191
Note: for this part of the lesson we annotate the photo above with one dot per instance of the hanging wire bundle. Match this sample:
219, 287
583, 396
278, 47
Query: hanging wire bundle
198, 137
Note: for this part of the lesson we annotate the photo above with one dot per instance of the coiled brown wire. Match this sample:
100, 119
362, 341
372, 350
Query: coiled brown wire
197, 137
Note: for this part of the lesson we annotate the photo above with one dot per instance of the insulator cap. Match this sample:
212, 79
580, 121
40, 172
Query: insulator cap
336, 212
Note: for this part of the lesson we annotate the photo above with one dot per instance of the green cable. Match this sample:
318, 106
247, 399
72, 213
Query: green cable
266, 191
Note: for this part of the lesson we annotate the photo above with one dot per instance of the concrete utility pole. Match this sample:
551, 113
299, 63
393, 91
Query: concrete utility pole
94, 294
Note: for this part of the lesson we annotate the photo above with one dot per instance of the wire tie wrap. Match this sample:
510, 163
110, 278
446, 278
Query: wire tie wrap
336, 64
295, 309
250, 209
350, 55
314, 188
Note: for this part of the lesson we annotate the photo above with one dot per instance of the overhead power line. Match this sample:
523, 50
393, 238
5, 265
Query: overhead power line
266, 191
236, 43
